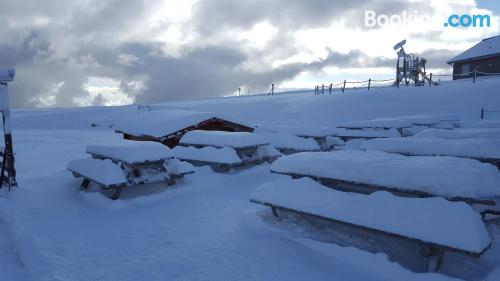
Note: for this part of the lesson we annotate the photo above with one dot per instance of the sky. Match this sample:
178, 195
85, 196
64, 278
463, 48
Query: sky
115, 52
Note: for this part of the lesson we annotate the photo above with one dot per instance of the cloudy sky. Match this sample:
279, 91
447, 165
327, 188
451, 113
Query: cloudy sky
112, 52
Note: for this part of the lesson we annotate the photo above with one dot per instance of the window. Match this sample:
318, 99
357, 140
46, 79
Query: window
465, 68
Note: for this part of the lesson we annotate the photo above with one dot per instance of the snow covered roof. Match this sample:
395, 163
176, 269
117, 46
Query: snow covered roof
434, 220
222, 139
161, 123
486, 48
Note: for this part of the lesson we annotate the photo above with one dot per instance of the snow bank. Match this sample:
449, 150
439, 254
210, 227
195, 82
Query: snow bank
222, 139
132, 151
461, 133
442, 176
472, 148
367, 133
304, 130
434, 220
401, 122
290, 141
225, 155
102, 171
160, 123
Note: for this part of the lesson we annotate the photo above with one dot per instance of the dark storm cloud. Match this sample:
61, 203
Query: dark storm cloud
56, 46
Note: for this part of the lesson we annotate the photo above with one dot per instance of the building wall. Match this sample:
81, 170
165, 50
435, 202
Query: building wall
487, 65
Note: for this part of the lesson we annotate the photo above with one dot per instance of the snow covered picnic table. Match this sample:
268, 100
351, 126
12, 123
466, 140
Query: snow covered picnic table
422, 176
484, 150
306, 130
368, 133
224, 150
403, 122
288, 143
128, 164
460, 133
434, 223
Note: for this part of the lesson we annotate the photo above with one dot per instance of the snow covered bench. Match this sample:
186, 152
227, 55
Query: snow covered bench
249, 148
365, 133
457, 179
484, 150
219, 159
437, 225
405, 125
460, 133
288, 143
137, 162
316, 132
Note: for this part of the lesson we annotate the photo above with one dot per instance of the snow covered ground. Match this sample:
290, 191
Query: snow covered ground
204, 228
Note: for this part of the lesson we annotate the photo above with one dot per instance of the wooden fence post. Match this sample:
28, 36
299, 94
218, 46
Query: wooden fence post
474, 77
482, 113
322, 89
343, 87
369, 83
330, 89
430, 79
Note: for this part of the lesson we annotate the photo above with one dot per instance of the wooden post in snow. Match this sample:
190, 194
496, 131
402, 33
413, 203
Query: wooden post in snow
369, 83
343, 87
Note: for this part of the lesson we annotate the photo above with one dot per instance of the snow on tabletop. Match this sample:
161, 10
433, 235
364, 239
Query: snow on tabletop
290, 141
102, 171
225, 155
438, 175
160, 123
222, 139
473, 148
178, 167
132, 151
411, 131
485, 123
461, 133
401, 121
367, 133
351, 144
304, 130
267, 151
435, 220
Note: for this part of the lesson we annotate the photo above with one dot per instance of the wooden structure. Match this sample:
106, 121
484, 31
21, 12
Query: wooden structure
8, 171
115, 172
171, 138
484, 58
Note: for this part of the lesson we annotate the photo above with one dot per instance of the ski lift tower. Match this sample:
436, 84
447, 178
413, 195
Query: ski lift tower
409, 67
8, 172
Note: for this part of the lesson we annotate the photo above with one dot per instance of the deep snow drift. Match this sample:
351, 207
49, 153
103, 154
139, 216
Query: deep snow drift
203, 228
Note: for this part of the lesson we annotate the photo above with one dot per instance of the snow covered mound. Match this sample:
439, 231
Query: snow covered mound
461, 133
438, 175
473, 148
290, 141
102, 171
132, 151
225, 155
222, 139
435, 220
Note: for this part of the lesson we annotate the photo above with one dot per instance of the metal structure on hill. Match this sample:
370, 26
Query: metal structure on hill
409, 67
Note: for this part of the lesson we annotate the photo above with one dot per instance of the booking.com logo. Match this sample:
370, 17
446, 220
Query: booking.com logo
468, 20
372, 19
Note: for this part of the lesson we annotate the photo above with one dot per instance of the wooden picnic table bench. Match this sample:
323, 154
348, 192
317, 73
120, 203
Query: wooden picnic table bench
434, 224
417, 176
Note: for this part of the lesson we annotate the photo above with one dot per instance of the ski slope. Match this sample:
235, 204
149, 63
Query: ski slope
205, 228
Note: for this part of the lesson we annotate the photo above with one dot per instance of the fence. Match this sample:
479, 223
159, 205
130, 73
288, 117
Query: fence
484, 111
430, 80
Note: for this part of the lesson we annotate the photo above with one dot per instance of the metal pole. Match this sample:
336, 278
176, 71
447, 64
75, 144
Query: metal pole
9, 152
